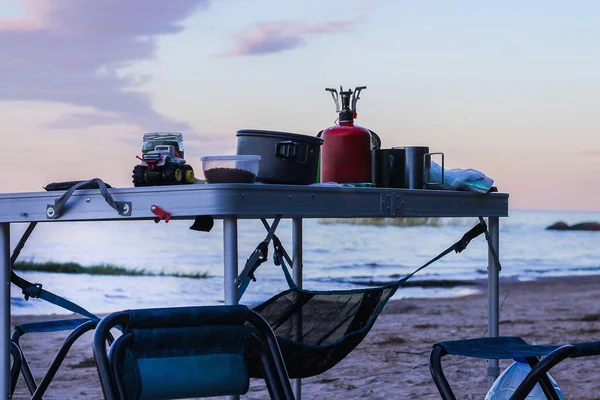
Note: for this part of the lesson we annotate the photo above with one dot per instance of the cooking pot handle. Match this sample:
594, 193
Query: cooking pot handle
290, 150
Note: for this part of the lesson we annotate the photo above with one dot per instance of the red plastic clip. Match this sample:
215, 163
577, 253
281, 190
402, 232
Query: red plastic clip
160, 213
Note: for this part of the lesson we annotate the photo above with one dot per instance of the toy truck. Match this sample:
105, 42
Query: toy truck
162, 161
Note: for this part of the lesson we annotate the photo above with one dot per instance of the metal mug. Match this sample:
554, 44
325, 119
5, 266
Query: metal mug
417, 167
387, 167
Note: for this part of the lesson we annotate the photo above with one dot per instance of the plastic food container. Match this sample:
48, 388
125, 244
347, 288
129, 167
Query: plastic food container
230, 169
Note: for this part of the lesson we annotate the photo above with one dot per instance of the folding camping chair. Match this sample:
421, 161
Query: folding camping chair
504, 348
174, 353
77, 327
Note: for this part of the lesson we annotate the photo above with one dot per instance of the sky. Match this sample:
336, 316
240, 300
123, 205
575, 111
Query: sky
509, 88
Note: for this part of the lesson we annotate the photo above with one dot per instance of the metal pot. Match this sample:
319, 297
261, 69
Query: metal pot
286, 158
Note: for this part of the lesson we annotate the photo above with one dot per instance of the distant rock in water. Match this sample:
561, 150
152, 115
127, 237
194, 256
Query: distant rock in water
582, 226
558, 226
586, 226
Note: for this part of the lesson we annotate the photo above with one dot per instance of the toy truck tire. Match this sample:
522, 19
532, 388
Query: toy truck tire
139, 175
188, 174
172, 174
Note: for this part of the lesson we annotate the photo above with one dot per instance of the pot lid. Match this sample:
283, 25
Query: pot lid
280, 135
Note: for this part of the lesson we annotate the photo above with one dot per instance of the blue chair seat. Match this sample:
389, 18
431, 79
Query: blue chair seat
187, 352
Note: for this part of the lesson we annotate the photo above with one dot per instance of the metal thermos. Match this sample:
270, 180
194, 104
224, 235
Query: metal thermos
417, 166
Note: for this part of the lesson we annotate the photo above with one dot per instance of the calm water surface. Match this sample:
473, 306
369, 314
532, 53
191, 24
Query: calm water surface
335, 256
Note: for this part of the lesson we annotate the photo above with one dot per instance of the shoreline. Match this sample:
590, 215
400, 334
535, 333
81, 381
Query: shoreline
392, 361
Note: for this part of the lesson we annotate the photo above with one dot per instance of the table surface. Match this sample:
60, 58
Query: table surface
255, 201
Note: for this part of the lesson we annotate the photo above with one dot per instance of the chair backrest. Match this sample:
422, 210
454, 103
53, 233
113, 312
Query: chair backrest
173, 353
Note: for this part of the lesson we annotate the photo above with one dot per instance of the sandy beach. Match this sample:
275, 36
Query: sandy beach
391, 363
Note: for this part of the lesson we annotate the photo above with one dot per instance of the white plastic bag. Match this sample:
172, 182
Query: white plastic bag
511, 378
460, 179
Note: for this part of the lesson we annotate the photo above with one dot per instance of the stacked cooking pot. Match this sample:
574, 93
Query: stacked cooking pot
286, 158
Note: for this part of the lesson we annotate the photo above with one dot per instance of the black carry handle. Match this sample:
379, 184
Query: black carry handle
290, 150
56, 210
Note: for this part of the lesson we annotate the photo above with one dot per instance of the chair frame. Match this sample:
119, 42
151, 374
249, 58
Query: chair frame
538, 374
20, 364
265, 347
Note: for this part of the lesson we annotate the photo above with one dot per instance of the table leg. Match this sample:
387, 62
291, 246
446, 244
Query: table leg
297, 275
5, 310
297, 250
230, 257
493, 369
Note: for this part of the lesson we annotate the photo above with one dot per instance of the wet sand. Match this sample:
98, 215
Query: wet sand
392, 362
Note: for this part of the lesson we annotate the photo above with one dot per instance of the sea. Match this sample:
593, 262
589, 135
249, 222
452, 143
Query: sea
336, 255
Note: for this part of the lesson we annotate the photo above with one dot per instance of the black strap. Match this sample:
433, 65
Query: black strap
456, 247
35, 289
54, 211
259, 256
280, 253
488, 238
279, 257
21, 243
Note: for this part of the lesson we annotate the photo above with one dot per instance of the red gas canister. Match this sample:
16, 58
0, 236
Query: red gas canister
346, 149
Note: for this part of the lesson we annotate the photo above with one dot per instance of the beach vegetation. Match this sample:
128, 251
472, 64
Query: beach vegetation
101, 269
418, 221
402, 221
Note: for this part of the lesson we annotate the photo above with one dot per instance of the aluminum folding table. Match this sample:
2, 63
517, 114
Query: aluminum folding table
231, 202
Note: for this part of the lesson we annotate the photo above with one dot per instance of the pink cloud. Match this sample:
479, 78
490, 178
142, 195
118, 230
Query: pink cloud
70, 51
275, 37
